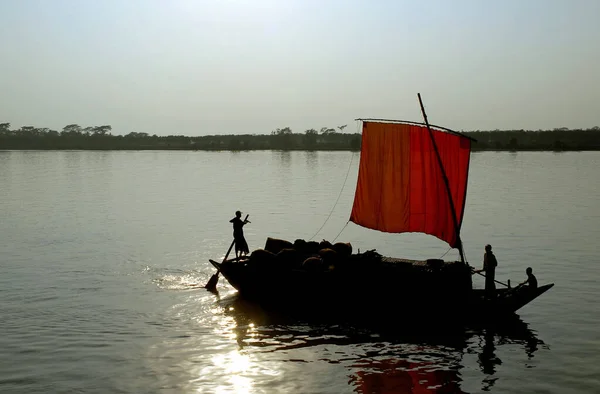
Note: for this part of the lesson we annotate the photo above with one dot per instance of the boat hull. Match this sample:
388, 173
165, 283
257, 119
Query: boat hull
507, 300
376, 290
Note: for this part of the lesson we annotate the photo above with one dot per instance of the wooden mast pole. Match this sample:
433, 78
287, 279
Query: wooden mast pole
439, 159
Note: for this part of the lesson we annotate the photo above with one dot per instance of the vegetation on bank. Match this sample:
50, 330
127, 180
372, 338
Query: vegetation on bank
74, 136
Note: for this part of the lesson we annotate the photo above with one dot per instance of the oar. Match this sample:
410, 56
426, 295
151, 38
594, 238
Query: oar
504, 284
211, 285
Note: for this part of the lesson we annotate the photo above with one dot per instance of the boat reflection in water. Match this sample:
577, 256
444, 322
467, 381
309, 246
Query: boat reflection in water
385, 356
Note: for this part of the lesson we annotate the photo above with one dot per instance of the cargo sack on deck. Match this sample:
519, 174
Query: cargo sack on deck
343, 249
262, 256
330, 256
289, 258
313, 264
300, 245
325, 244
312, 247
275, 245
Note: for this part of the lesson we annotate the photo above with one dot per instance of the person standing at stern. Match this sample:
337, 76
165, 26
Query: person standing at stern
489, 267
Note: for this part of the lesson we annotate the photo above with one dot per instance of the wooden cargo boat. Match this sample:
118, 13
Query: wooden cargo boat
412, 178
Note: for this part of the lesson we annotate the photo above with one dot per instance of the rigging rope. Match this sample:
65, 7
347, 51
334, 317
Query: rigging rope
336, 201
449, 249
343, 228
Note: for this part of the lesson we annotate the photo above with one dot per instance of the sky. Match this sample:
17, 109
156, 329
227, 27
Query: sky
202, 67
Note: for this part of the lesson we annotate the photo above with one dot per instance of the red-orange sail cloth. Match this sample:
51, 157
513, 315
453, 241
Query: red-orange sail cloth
400, 183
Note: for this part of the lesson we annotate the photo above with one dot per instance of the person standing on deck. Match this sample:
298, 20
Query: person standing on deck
489, 266
241, 246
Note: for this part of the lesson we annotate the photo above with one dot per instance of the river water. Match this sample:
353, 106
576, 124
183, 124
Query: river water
103, 256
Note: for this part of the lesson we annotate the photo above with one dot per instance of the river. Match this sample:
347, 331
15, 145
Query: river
103, 255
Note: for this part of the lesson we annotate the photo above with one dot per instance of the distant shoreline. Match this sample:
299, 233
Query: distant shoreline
75, 137
163, 149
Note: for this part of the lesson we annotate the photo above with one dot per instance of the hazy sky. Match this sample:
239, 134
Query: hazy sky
232, 66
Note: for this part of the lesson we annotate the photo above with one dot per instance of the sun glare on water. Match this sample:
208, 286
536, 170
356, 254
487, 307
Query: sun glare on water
236, 365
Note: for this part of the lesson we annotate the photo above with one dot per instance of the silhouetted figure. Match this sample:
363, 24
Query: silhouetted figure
489, 267
531, 281
241, 246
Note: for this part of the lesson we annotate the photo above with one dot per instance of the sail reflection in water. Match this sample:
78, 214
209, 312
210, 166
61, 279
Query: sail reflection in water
381, 358
401, 376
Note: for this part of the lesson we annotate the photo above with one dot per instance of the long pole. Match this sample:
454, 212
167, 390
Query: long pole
504, 284
439, 159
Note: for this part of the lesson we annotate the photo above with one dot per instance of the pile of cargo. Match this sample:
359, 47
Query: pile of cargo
306, 255
311, 256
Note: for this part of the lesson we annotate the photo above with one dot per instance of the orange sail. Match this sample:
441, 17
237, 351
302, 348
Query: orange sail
401, 185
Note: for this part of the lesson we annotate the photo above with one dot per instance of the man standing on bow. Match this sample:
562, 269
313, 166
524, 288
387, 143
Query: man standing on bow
241, 246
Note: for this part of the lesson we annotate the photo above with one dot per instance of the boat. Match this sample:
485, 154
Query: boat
412, 178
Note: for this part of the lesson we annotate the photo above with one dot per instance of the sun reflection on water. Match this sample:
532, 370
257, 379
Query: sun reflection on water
229, 345
236, 365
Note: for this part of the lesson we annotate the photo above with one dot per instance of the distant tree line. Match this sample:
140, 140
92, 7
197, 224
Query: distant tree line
74, 136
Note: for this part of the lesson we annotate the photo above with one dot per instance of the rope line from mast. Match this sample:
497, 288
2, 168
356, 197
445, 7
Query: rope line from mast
340, 233
338, 198
446, 252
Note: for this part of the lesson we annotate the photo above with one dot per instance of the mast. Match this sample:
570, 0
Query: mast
439, 160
